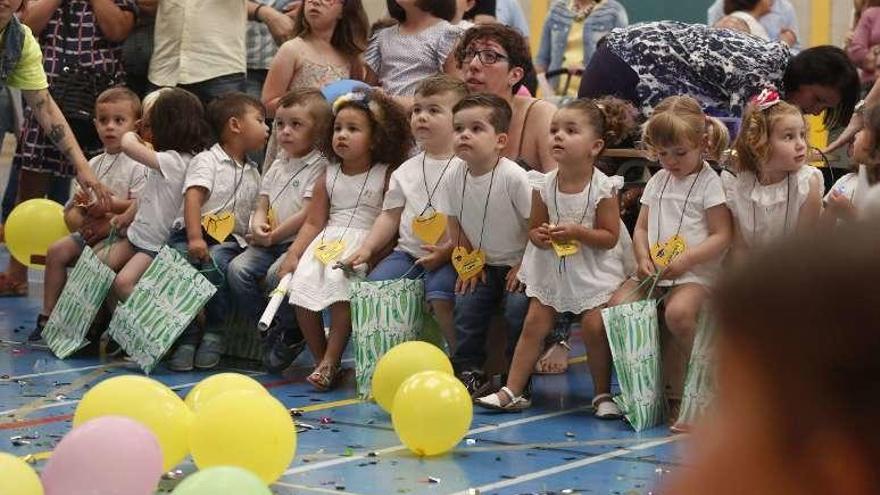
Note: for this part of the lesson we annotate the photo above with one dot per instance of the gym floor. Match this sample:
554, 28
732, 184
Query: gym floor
348, 446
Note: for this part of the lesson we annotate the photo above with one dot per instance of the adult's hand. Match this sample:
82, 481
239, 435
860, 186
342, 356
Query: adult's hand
848, 134
280, 25
293, 8
148, 7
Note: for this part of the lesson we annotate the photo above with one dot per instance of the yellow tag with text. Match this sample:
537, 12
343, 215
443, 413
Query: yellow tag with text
468, 264
664, 252
272, 218
219, 225
329, 251
565, 248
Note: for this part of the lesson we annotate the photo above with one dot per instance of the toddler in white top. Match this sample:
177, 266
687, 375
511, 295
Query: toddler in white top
774, 193
370, 136
577, 258
413, 204
684, 227
117, 111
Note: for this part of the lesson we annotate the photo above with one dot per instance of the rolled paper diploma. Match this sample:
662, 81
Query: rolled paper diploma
274, 303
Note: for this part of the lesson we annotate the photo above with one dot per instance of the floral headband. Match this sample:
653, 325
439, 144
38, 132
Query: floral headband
766, 99
362, 100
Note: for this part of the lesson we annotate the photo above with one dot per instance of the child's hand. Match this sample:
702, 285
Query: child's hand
288, 265
512, 281
470, 285
93, 230
840, 206
437, 256
121, 221
677, 267
82, 198
263, 235
198, 249
96, 210
646, 268
360, 257
564, 232
540, 236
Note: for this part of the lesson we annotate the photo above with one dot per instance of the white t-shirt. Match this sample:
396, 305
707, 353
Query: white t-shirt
289, 182
409, 188
853, 186
232, 187
692, 195
122, 175
159, 201
505, 230
766, 213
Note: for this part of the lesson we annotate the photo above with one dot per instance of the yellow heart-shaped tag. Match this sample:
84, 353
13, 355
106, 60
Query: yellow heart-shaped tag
565, 248
468, 265
329, 251
664, 252
429, 228
219, 225
272, 218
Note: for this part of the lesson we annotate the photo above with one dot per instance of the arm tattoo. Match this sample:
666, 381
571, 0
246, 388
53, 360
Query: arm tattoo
56, 133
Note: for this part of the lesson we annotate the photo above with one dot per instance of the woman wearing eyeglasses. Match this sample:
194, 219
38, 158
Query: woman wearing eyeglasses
495, 59
569, 37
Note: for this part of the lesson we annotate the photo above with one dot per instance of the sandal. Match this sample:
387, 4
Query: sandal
37, 333
514, 403
324, 378
542, 370
11, 288
604, 407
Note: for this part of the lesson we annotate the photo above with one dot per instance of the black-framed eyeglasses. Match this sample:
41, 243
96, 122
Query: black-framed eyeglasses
487, 57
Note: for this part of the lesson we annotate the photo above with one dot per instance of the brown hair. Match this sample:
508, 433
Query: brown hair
731, 6
441, 83
441, 9
230, 105
390, 135
500, 113
510, 40
177, 121
827, 349
120, 93
317, 106
350, 33
679, 119
611, 118
752, 145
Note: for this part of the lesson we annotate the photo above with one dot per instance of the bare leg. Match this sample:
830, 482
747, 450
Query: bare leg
61, 254
340, 331
443, 312
129, 274
538, 324
598, 351
312, 328
682, 309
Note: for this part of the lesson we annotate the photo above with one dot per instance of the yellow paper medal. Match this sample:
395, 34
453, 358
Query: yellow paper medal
664, 253
219, 225
565, 248
429, 228
272, 218
468, 264
329, 251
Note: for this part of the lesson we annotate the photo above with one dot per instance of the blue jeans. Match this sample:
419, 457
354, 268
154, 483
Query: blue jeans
474, 311
439, 284
244, 276
218, 306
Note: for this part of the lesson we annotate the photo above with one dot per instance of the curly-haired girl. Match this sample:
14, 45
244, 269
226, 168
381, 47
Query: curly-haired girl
370, 137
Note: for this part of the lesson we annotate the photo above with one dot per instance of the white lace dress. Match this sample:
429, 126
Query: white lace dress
588, 278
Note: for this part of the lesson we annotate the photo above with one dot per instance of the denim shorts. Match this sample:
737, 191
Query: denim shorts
439, 284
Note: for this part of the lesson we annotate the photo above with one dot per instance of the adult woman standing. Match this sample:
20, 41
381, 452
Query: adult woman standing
570, 34
721, 68
77, 37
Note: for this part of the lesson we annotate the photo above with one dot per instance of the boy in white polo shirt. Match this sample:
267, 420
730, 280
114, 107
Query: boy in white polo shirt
489, 204
220, 191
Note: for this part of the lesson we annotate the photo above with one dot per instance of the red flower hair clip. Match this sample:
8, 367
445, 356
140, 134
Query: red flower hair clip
766, 99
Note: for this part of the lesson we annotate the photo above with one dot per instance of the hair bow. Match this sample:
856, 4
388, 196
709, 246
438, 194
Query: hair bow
357, 96
766, 99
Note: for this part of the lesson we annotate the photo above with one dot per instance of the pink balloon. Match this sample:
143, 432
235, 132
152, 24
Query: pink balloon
110, 455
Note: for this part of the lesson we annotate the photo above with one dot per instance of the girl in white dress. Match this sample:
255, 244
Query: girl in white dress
774, 192
370, 137
684, 227
577, 257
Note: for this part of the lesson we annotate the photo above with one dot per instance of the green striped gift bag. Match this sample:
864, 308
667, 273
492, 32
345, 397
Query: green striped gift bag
633, 335
165, 300
699, 385
87, 286
383, 314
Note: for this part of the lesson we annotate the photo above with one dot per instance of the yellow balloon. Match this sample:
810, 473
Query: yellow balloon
213, 386
401, 362
432, 413
17, 477
246, 429
32, 227
144, 400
